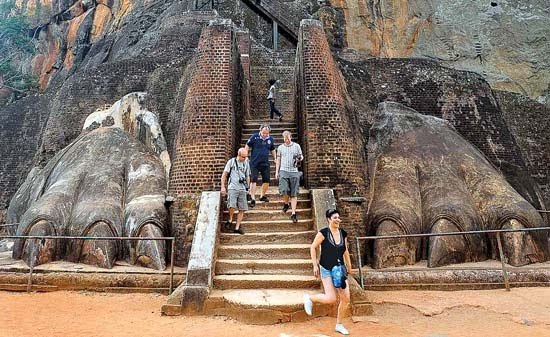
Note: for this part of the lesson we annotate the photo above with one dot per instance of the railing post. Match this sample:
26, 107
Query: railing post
275, 36
172, 256
504, 272
360, 264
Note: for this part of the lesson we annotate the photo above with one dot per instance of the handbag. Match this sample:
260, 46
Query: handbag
338, 273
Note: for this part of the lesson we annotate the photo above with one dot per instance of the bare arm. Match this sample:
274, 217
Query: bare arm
319, 238
277, 166
224, 179
347, 259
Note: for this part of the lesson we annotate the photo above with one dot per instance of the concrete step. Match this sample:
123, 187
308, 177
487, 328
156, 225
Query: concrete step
275, 266
265, 281
267, 238
271, 214
254, 226
263, 251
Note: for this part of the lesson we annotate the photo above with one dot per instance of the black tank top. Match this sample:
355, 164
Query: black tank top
331, 252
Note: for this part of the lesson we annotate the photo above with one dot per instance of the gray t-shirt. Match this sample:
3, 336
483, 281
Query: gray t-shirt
287, 154
238, 170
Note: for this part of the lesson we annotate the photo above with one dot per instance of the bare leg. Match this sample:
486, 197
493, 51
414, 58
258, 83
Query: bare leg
293, 202
329, 296
253, 190
265, 186
240, 216
231, 212
285, 198
343, 303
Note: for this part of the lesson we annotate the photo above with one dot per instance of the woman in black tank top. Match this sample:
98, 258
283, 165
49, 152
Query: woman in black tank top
334, 250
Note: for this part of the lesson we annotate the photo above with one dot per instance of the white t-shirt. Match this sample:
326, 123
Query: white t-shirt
271, 92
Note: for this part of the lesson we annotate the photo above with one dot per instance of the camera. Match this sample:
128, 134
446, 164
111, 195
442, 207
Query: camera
242, 181
297, 158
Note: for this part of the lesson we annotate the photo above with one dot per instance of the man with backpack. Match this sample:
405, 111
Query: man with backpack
237, 173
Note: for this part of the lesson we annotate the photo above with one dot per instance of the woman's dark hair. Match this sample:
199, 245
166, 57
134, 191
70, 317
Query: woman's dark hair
330, 212
272, 81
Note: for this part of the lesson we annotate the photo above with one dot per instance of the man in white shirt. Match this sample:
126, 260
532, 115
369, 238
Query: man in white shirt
271, 100
289, 155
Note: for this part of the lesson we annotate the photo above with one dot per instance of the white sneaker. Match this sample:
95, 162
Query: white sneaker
308, 305
340, 328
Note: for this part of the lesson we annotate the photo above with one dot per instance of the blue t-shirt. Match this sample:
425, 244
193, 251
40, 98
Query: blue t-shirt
260, 149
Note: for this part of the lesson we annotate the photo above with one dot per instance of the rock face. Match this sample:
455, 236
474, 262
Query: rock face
505, 41
426, 178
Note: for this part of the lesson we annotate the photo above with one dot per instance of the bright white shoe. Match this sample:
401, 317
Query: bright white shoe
308, 305
340, 328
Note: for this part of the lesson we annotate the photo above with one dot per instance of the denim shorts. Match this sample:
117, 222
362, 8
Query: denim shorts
324, 272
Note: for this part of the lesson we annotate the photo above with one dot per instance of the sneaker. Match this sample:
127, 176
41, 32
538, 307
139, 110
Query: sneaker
285, 207
308, 305
340, 328
238, 231
264, 198
227, 225
280, 118
252, 203
294, 217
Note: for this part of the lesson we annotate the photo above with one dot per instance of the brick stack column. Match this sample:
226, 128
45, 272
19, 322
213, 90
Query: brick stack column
335, 156
243, 47
205, 137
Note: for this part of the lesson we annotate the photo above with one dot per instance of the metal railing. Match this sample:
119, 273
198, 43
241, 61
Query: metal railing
497, 231
167, 238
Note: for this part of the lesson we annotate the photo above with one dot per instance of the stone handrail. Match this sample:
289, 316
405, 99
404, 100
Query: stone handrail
189, 297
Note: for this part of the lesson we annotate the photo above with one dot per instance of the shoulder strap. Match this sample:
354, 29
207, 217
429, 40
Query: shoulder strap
231, 167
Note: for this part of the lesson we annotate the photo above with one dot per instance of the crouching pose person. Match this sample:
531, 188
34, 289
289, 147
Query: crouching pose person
334, 256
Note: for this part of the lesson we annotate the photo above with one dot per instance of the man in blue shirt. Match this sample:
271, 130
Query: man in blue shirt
261, 143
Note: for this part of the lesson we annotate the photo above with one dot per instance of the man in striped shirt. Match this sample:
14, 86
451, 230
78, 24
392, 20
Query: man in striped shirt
289, 154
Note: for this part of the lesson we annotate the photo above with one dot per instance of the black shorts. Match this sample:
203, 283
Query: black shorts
262, 168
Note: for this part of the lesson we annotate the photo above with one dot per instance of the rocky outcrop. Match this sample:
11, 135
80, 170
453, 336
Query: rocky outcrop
505, 41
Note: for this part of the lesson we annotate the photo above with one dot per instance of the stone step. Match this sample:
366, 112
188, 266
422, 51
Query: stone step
261, 226
254, 124
251, 266
270, 214
263, 251
275, 129
264, 306
265, 281
273, 193
273, 237
277, 204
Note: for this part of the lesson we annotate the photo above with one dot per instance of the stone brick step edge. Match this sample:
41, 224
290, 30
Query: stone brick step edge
252, 282
264, 267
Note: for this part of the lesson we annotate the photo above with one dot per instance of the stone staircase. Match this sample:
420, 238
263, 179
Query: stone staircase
261, 276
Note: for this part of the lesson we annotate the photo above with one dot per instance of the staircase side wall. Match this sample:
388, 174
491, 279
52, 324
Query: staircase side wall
329, 130
206, 137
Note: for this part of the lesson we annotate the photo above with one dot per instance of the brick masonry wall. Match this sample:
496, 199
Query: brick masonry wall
529, 122
21, 124
205, 138
265, 65
462, 98
329, 130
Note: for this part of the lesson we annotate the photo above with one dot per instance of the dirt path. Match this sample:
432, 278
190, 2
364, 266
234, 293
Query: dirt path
522, 312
